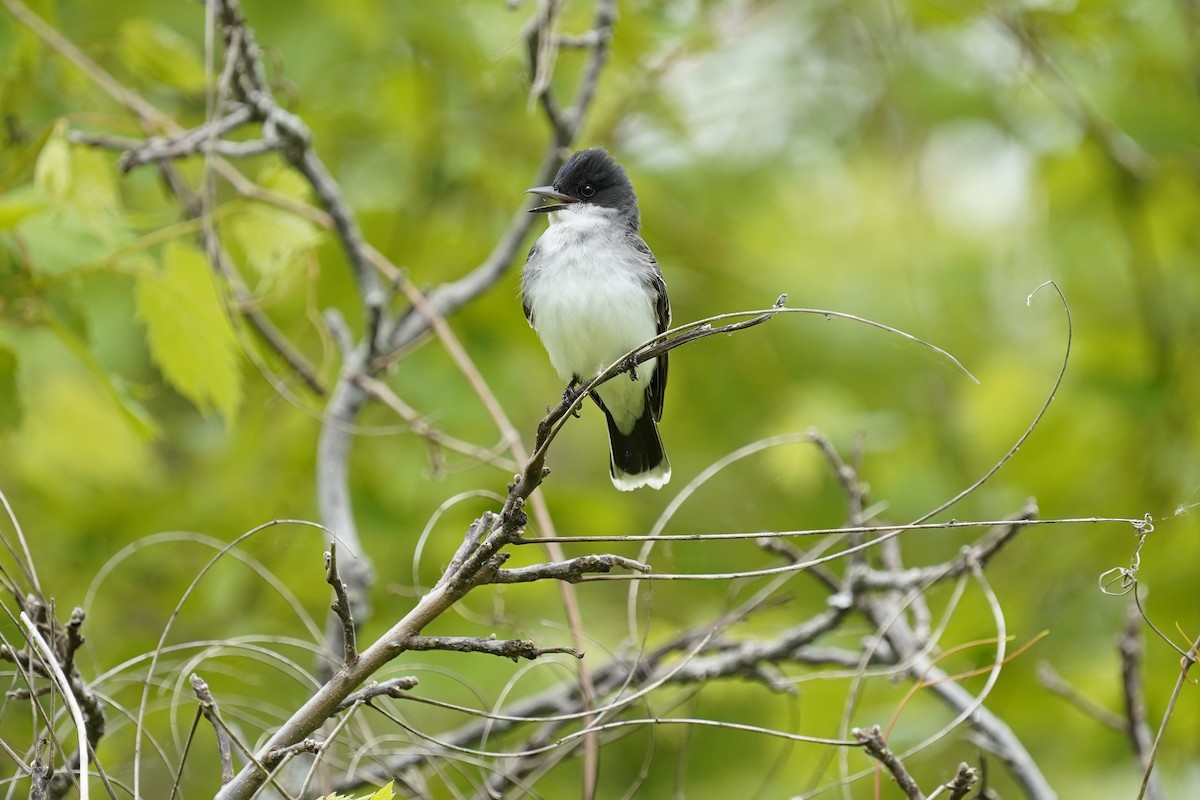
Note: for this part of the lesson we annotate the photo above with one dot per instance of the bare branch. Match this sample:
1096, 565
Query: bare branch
992, 733
422, 427
873, 742
304, 746
393, 687
963, 780
1185, 665
341, 605
208, 707
87, 709
514, 649
981, 552
181, 145
34, 637
40, 774
1131, 647
571, 570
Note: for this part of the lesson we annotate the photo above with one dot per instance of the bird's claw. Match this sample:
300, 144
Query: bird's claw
631, 366
570, 395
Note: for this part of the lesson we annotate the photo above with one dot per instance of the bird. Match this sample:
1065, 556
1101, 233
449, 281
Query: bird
593, 291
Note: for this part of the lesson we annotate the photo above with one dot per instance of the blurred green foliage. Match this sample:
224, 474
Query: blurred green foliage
918, 164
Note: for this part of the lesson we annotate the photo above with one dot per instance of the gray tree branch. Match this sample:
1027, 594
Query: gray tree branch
872, 740
208, 707
514, 649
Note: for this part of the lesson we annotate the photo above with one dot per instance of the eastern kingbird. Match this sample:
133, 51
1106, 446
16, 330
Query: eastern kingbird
593, 291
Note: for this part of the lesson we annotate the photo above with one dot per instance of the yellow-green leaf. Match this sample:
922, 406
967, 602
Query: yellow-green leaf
52, 171
190, 336
93, 188
385, 793
272, 238
284, 181
22, 202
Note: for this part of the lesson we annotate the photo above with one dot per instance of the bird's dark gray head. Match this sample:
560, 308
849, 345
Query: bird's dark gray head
592, 177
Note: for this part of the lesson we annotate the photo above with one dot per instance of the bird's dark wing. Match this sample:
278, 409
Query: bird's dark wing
528, 309
657, 390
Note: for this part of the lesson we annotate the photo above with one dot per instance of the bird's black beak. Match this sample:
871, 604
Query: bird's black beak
550, 193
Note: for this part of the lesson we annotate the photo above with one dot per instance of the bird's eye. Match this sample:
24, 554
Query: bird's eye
588, 190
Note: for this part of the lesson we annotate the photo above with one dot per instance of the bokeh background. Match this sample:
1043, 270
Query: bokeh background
927, 165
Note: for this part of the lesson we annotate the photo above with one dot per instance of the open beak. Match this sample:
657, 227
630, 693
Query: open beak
550, 193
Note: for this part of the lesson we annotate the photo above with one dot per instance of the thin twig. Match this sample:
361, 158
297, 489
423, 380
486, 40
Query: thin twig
954, 524
184, 144
51, 661
208, 707
1185, 665
981, 552
421, 426
341, 605
1132, 648
875, 747
959, 785
304, 746
514, 649
40, 774
393, 687
572, 570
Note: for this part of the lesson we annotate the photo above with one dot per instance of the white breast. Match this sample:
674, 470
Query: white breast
591, 304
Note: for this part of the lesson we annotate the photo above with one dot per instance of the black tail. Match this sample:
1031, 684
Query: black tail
637, 458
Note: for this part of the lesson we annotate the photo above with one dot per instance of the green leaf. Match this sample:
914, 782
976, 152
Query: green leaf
385, 793
272, 238
284, 181
158, 54
57, 241
93, 189
22, 202
189, 334
52, 171
10, 404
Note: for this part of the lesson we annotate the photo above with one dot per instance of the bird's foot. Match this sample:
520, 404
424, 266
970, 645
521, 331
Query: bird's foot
570, 395
631, 365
